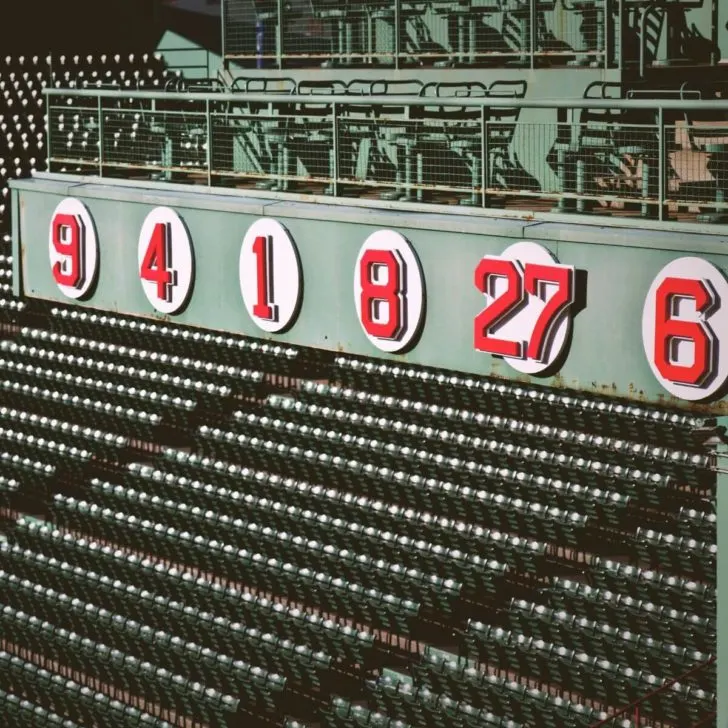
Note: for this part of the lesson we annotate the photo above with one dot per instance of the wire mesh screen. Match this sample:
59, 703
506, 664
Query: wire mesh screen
439, 152
698, 164
276, 33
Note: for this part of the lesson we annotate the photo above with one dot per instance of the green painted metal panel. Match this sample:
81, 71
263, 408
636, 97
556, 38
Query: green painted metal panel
606, 353
721, 509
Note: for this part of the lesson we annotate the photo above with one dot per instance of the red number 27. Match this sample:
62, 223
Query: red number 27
521, 281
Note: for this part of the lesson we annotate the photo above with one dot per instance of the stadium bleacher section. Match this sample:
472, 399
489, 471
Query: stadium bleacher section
203, 529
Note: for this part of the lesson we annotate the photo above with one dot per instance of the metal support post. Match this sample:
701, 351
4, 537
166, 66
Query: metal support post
223, 33
279, 35
607, 32
208, 145
100, 123
619, 35
721, 511
484, 154
532, 31
397, 39
661, 163
334, 167
49, 126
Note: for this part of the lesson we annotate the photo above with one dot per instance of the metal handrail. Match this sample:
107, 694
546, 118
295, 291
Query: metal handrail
354, 100
634, 705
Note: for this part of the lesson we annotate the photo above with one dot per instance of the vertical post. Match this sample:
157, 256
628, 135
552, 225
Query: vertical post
483, 153
208, 146
100, 122
49, 125
607, 32
721, 512
223, 33
334, 167
532, 31
279, 34
661, 163
714, 19
397, 39
619, 35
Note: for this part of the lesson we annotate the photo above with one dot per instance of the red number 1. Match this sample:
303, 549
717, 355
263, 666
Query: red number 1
263, 251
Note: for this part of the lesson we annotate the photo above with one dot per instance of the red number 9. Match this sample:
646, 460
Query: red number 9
68, 242
73, 248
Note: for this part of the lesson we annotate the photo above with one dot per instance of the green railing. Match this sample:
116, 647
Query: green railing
654, 158
275, 33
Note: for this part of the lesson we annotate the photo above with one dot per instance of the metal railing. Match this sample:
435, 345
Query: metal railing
654, 158
639, 711
276, 33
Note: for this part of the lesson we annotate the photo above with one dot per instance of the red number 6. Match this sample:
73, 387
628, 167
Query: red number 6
670, 331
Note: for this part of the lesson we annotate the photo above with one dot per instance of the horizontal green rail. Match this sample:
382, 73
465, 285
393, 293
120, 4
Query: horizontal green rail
396, 32
652, 158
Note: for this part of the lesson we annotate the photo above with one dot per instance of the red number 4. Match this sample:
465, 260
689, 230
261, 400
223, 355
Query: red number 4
531, 279
156, 265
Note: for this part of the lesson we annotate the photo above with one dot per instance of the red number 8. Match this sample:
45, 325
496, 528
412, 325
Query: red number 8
374, 292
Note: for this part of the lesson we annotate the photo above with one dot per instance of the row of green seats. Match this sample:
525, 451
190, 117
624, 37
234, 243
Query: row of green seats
650, 585
602, 640
470, 569
214, 604
68, 432
452, 427
679, 554
610, 683
10, 308
69, 698
31, 444
176, 340
568, 409
128, 365
418, 497
122, 394
531, 520
220, 666
423, 708
130, 530
503, 453
16, 465
693, 523
664, 623
460, 680
333, 595
18, 712
229, 674
604, 503
114, 667
340, 713
126, 420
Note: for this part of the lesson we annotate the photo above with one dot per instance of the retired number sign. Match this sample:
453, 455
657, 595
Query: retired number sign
73, 248
528, 296
525, 319
685, 327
